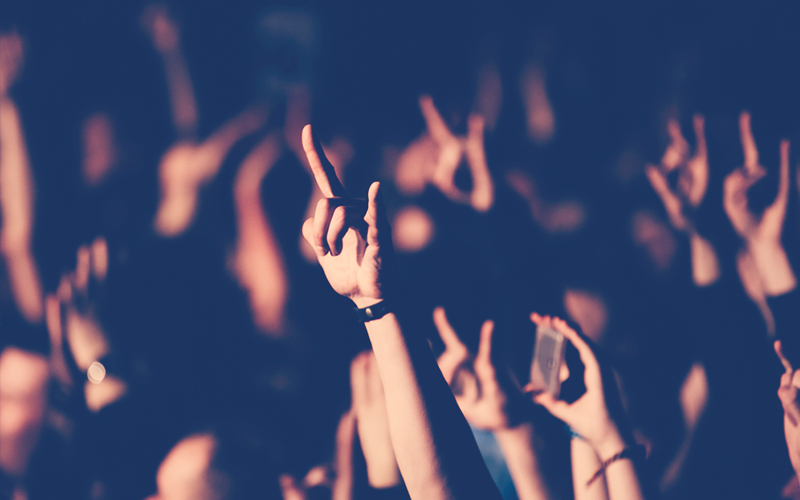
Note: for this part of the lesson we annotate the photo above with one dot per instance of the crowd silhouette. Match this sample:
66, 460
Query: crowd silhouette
259, 251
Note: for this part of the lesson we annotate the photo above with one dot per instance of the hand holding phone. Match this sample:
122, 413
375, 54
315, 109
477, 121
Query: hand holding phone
548, 356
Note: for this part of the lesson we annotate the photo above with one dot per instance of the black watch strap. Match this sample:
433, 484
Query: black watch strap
375, 311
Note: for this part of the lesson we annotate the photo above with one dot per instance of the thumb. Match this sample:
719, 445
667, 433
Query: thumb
557, 408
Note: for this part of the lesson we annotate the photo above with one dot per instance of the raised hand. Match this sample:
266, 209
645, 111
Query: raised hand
787, 393
11, 58
748, 225
762, 235
187, 166
692, 173
369, 407
434, 158
474, 380
351, 247
589, 415
257, 261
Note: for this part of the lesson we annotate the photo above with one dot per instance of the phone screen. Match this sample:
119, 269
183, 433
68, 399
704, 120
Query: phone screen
548, 355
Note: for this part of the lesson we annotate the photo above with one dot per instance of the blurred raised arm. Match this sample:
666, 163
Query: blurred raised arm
165, 35
17, 191
257, 262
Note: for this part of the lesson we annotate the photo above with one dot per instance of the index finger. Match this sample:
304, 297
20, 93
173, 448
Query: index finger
446, 331
324, 172
748, 143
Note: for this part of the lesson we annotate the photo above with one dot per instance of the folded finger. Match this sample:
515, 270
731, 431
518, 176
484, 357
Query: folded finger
322, 219
337, 228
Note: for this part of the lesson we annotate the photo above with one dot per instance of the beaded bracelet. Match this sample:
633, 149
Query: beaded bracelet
633, 453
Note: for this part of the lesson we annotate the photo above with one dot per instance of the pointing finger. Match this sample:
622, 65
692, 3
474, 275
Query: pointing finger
446, 331
748, 143
485, 345
437, 128
324, 173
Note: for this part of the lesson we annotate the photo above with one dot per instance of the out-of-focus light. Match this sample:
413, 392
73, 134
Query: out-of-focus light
655, 237
96, 372
413, 229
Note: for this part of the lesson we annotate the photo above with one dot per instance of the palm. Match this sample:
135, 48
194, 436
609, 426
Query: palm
356, 270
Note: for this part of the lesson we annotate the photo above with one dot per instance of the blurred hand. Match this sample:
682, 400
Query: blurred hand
435, 157
474, 380
692, 173
369, 406
162, 29
768, 228
589, 415
762, 235
334, 482
787, 393
11, 58
351, 248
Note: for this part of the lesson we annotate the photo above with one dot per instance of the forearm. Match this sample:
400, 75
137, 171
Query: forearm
621, 477
585, 463
705, 266
181, 93
436, 452
16, 183
520, 456
773, 266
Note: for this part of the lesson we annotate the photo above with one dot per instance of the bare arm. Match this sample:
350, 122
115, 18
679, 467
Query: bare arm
166, 40
488, 399
435, 450
17, 192
259, 265
584, 463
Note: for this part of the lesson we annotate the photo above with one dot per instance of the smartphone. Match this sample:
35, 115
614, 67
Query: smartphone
548, 355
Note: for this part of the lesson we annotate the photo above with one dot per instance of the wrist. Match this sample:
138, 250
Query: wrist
361, 301
610, 444
773, 266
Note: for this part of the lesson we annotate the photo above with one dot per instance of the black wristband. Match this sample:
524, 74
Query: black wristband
375, 311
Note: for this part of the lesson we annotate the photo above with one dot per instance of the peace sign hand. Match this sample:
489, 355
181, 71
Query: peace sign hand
480, 390
352, 247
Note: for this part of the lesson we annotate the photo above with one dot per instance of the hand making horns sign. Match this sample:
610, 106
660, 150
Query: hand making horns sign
351, 246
